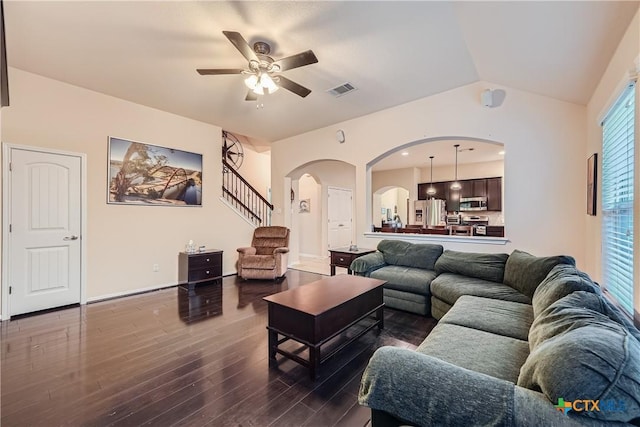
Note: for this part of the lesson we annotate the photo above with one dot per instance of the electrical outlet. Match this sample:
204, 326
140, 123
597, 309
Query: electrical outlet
156, 267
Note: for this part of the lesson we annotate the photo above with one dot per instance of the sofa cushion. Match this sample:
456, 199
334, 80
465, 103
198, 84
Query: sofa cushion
439, 308
480, 351
525, 272
562, 280
449, 287
574, 311
259, 262
482, 266
408, 279
510, 319
590, 357
406, 301
397, 252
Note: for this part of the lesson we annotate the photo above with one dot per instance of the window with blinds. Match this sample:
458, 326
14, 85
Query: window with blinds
617, 198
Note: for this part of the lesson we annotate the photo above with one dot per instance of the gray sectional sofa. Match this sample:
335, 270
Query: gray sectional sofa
518, 339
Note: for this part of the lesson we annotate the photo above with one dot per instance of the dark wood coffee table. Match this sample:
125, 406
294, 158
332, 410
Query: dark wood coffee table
315, 313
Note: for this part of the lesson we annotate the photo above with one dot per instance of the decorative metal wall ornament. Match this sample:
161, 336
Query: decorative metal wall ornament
232, 151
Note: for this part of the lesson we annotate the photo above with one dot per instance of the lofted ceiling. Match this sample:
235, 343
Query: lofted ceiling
393, 52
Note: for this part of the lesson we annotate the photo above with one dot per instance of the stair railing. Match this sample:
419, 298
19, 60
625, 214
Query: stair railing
246, 199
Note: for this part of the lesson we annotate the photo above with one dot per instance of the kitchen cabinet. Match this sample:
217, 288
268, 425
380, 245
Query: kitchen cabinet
479, 188
494, 194
453, 199
466, 188
422, 191
491, 188
440, 190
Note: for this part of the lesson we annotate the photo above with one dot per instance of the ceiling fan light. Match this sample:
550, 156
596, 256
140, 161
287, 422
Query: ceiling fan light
267, 83
251, 81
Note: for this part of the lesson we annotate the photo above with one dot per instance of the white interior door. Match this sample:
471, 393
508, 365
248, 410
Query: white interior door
45, 224
339, 208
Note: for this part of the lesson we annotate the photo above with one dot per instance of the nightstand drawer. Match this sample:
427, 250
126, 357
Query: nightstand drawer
204, 274
341, 259
204, 261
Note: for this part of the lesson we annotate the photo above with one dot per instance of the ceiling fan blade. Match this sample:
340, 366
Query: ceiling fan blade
293, 86
295, 61
241, 44
251, 96
215, 71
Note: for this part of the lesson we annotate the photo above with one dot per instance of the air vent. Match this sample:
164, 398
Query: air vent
342, 89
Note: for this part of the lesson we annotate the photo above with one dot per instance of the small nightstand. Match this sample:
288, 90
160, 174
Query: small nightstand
199, 267
342, 257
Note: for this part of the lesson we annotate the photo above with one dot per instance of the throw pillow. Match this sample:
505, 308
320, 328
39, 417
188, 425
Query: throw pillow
482, 266
562, 280
524, 272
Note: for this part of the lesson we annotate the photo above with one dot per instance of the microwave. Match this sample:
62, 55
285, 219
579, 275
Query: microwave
473, 204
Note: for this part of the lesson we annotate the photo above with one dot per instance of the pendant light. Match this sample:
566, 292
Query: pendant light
456, 185
431, 191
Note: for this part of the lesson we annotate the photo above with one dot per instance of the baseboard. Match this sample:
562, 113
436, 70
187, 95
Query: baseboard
141, 290
129, 293
313, 256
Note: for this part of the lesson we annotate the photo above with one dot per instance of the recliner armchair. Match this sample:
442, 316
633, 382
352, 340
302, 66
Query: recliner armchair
268, 255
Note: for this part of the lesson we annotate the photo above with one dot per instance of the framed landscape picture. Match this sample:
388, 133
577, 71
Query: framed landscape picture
145, 174
592, 179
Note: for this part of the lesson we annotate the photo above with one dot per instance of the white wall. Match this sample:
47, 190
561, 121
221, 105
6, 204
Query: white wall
308, 222
256, 169
123, 242
465, 171
544, 175
609, 88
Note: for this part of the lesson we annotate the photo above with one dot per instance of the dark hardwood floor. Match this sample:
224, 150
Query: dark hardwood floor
173, 358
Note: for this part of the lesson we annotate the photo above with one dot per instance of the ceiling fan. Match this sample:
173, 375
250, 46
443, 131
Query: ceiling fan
263, 72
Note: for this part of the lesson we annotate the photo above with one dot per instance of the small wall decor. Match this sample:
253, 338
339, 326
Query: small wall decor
305, 206
144, 174
592, 179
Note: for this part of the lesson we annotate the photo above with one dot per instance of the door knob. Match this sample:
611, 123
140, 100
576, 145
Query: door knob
70, 238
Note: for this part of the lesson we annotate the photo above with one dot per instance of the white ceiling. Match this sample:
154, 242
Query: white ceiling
393, 52
444, 154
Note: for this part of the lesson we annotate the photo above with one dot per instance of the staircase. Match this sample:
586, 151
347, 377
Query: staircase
242, 196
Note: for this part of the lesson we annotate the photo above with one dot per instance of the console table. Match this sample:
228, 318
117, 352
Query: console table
199, 267
342, 257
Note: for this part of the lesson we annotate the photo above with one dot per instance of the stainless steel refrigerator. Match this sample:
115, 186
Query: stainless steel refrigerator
429, 212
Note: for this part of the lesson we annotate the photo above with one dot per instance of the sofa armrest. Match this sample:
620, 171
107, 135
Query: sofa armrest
247, 251
282, 250
364, 265
424, 390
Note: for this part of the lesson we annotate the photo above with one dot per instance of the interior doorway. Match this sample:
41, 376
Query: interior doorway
340, 216
43, 206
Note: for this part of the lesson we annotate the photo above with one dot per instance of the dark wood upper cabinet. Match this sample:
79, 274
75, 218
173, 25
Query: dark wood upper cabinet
494, 194
479, 188
453, 198
466, 189
491, 188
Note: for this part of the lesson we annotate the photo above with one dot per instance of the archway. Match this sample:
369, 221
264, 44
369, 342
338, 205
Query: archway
479, 168
310, 182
